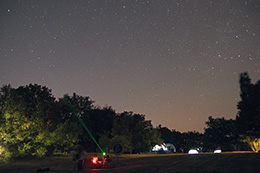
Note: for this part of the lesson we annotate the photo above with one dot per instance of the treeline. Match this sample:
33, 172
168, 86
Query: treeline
34, 122
218, 133
243, 133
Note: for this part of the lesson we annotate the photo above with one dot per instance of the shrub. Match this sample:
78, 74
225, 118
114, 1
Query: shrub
41, 152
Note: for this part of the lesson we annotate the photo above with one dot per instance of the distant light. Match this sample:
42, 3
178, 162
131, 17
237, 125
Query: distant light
217, 151
193, 151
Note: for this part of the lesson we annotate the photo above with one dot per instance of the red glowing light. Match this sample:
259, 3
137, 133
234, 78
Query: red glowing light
95, 160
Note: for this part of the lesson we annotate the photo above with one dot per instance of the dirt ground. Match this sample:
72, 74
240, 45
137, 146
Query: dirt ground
204, 162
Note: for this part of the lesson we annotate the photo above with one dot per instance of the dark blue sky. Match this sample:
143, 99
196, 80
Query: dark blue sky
177, 62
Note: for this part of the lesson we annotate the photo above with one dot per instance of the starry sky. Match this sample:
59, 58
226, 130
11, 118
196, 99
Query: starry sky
175, 61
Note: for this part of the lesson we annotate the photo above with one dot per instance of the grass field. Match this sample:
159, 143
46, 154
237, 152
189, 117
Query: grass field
204, 162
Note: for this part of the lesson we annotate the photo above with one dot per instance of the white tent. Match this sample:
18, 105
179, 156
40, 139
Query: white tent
159, 148
170, 147
164, 147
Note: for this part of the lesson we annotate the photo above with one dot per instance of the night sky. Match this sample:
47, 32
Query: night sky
175, 61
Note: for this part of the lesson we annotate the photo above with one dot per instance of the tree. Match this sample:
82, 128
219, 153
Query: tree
192, 139
248, 116
166, 134
67, 136
70, 133
33, 122
135, 129
106, 142
81, 105
27, 120
124, 141
172, 136
220, 133
100, 122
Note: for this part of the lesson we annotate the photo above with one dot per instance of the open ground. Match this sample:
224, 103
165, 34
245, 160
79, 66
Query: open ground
204, 162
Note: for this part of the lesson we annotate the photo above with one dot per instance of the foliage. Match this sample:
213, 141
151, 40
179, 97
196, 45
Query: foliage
173, 137
124, 141
41, 151
26, 120
99, 122
220, 133
248, 116
67, 136
192, 139
136, 130
153, 137
106, 142
70, 132
33, 122
82, 105
182, 141
254, 143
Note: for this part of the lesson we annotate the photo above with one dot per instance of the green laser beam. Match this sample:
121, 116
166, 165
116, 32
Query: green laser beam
84, 125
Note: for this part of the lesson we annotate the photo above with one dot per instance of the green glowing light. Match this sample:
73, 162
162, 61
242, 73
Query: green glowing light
104, 153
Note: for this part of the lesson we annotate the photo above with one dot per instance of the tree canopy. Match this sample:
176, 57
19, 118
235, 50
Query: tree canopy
34, 122
27, 120
220, 133
248, 116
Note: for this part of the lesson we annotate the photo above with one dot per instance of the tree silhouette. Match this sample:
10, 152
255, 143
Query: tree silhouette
135, 129
248, 116
220, 133
173, 137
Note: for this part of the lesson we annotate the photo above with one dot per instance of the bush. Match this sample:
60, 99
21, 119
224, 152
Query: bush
41, 152
6, 154
254, 143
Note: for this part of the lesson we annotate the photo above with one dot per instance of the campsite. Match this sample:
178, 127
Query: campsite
203, 162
